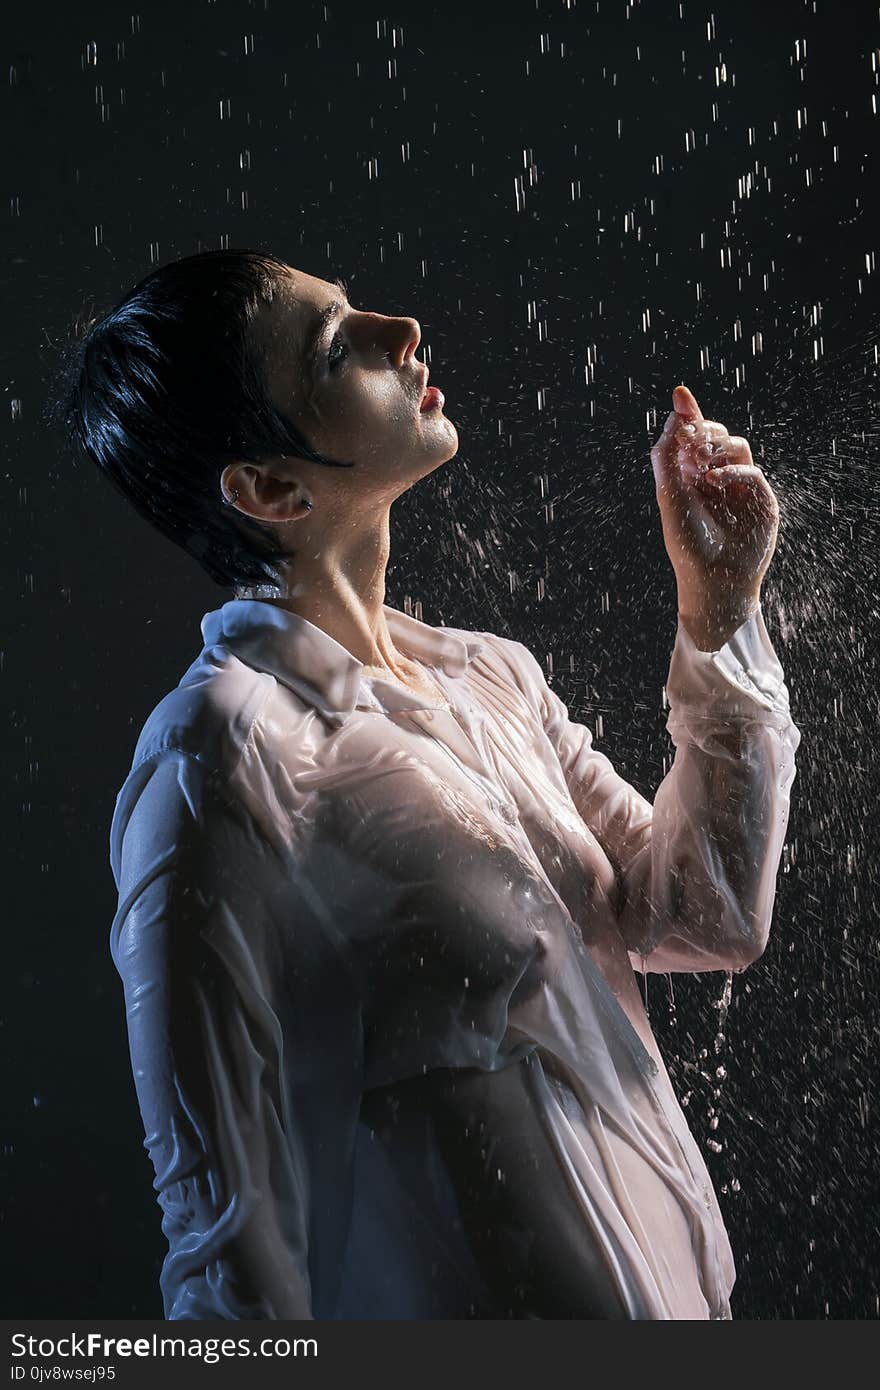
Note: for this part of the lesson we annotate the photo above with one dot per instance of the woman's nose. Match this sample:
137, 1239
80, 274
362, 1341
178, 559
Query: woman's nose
412, 335
398, 336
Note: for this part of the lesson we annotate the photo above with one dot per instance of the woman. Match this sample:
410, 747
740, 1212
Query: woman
380, 900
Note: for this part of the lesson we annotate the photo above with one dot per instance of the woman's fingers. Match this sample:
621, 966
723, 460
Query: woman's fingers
744, 481
716, 506
732, 473
685, 404
692, 449
731, 447
714, 453
737, 445
710, 432
701, 446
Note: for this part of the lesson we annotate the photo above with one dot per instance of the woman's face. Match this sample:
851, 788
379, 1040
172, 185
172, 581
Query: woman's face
350, 381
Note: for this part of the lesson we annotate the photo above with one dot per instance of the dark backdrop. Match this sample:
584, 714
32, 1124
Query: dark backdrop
583, 202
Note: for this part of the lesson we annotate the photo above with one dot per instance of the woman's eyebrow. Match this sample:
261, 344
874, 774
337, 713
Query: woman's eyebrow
327, 314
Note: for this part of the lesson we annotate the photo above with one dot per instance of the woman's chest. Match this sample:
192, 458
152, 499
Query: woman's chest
475, 864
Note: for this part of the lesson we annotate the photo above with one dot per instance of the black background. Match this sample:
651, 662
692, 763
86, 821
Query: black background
583, 204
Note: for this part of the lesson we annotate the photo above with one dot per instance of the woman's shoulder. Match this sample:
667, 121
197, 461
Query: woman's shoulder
508, 659
208, 715
189, 761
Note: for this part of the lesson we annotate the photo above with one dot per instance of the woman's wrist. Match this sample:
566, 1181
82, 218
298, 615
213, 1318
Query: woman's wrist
712, 623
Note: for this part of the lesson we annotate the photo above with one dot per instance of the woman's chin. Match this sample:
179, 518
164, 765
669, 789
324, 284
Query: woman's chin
441, 457
445, 429
450, 445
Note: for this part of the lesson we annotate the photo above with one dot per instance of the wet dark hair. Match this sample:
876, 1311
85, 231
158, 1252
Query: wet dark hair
167, 388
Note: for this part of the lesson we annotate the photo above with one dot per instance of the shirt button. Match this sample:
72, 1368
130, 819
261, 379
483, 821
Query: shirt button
508, 812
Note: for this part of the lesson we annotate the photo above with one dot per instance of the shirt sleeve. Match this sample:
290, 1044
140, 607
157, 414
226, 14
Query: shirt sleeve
196, 942
696, 871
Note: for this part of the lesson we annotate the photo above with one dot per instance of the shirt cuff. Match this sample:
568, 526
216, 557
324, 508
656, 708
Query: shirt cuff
742, 680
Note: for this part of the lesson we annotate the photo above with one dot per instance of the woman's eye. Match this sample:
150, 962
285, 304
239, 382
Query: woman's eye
334, 361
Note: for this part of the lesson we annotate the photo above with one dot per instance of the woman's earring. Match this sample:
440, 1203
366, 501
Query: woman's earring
307, 503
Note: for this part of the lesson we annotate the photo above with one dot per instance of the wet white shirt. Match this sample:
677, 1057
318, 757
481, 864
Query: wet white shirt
330, 887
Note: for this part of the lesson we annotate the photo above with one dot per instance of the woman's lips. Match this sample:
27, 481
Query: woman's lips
432, 399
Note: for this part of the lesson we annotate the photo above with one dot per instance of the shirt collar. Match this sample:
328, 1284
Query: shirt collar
316, 666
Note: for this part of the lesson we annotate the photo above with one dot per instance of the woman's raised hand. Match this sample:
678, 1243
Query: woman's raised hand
720, 520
